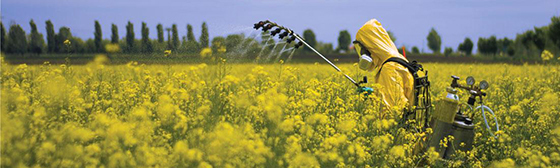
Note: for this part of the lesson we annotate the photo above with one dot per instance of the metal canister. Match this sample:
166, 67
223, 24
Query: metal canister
463, 133
443, 120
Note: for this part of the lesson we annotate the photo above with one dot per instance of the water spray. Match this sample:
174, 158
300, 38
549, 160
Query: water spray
291, 36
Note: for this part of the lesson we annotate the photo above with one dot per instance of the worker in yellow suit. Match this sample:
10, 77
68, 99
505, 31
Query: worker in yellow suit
374, 46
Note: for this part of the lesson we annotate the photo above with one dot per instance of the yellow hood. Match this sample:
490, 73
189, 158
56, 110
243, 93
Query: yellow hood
377, 41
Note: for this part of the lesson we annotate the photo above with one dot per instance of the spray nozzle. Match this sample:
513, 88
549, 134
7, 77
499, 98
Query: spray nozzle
298, 45
282, 35
292, 38
274, 32
258, 25
267, 27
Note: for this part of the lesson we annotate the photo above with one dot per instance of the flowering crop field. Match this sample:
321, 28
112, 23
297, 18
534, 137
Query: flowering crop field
249, 115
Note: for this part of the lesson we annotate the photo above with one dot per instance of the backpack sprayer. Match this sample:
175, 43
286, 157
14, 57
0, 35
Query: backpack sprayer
449, 120
290, 36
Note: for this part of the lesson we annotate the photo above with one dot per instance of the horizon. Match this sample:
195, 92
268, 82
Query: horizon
454, 22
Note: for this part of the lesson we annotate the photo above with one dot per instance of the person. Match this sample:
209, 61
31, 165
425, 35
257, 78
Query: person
375, 47
377, 54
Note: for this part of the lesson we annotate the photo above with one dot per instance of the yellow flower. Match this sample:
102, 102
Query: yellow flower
100, 59
432, 155
203, 110
382, 141
112, 48
287, 125
398, 151
317, 118
206, 52
347, 125
229, 79
166, 53
222, 49
309, 102
304, 160
546, 55
506, 163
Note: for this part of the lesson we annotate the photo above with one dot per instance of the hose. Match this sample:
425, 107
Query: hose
482, 109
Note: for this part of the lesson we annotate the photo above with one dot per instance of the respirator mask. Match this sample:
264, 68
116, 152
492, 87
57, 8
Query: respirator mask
366, 61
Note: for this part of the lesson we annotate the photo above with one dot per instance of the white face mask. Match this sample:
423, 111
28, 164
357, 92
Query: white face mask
365, 62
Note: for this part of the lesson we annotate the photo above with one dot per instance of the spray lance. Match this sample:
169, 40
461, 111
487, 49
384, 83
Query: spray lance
291, 36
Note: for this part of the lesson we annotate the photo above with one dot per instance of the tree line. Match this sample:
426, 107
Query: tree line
16, 41
526, 45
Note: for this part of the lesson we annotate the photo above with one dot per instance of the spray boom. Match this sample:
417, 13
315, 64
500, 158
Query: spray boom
291, 36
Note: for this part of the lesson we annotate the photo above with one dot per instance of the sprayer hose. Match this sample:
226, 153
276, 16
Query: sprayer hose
482, 109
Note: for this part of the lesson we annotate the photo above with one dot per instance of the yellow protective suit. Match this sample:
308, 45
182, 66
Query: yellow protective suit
396, 81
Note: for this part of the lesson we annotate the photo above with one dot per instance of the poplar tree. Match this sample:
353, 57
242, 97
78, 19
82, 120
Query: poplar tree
192, 45
146, 43
169, 45
190, 33
204, 38
129, 37
160, 33
114, 34
36, 42
51, 37
175, 37
98, 35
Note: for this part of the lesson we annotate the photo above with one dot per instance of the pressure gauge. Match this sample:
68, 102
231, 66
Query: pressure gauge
484, 84
470, 81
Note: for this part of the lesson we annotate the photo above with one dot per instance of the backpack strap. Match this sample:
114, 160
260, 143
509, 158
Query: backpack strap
412, 67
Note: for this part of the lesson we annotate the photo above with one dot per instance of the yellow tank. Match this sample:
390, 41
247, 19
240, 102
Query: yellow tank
447, 108
443, 119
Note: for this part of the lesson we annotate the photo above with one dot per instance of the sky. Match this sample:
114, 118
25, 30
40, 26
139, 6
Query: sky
409, 20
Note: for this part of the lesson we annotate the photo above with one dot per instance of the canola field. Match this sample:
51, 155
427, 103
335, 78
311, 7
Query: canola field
249, 115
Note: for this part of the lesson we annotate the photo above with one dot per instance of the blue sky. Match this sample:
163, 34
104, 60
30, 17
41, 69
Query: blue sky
410, 20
